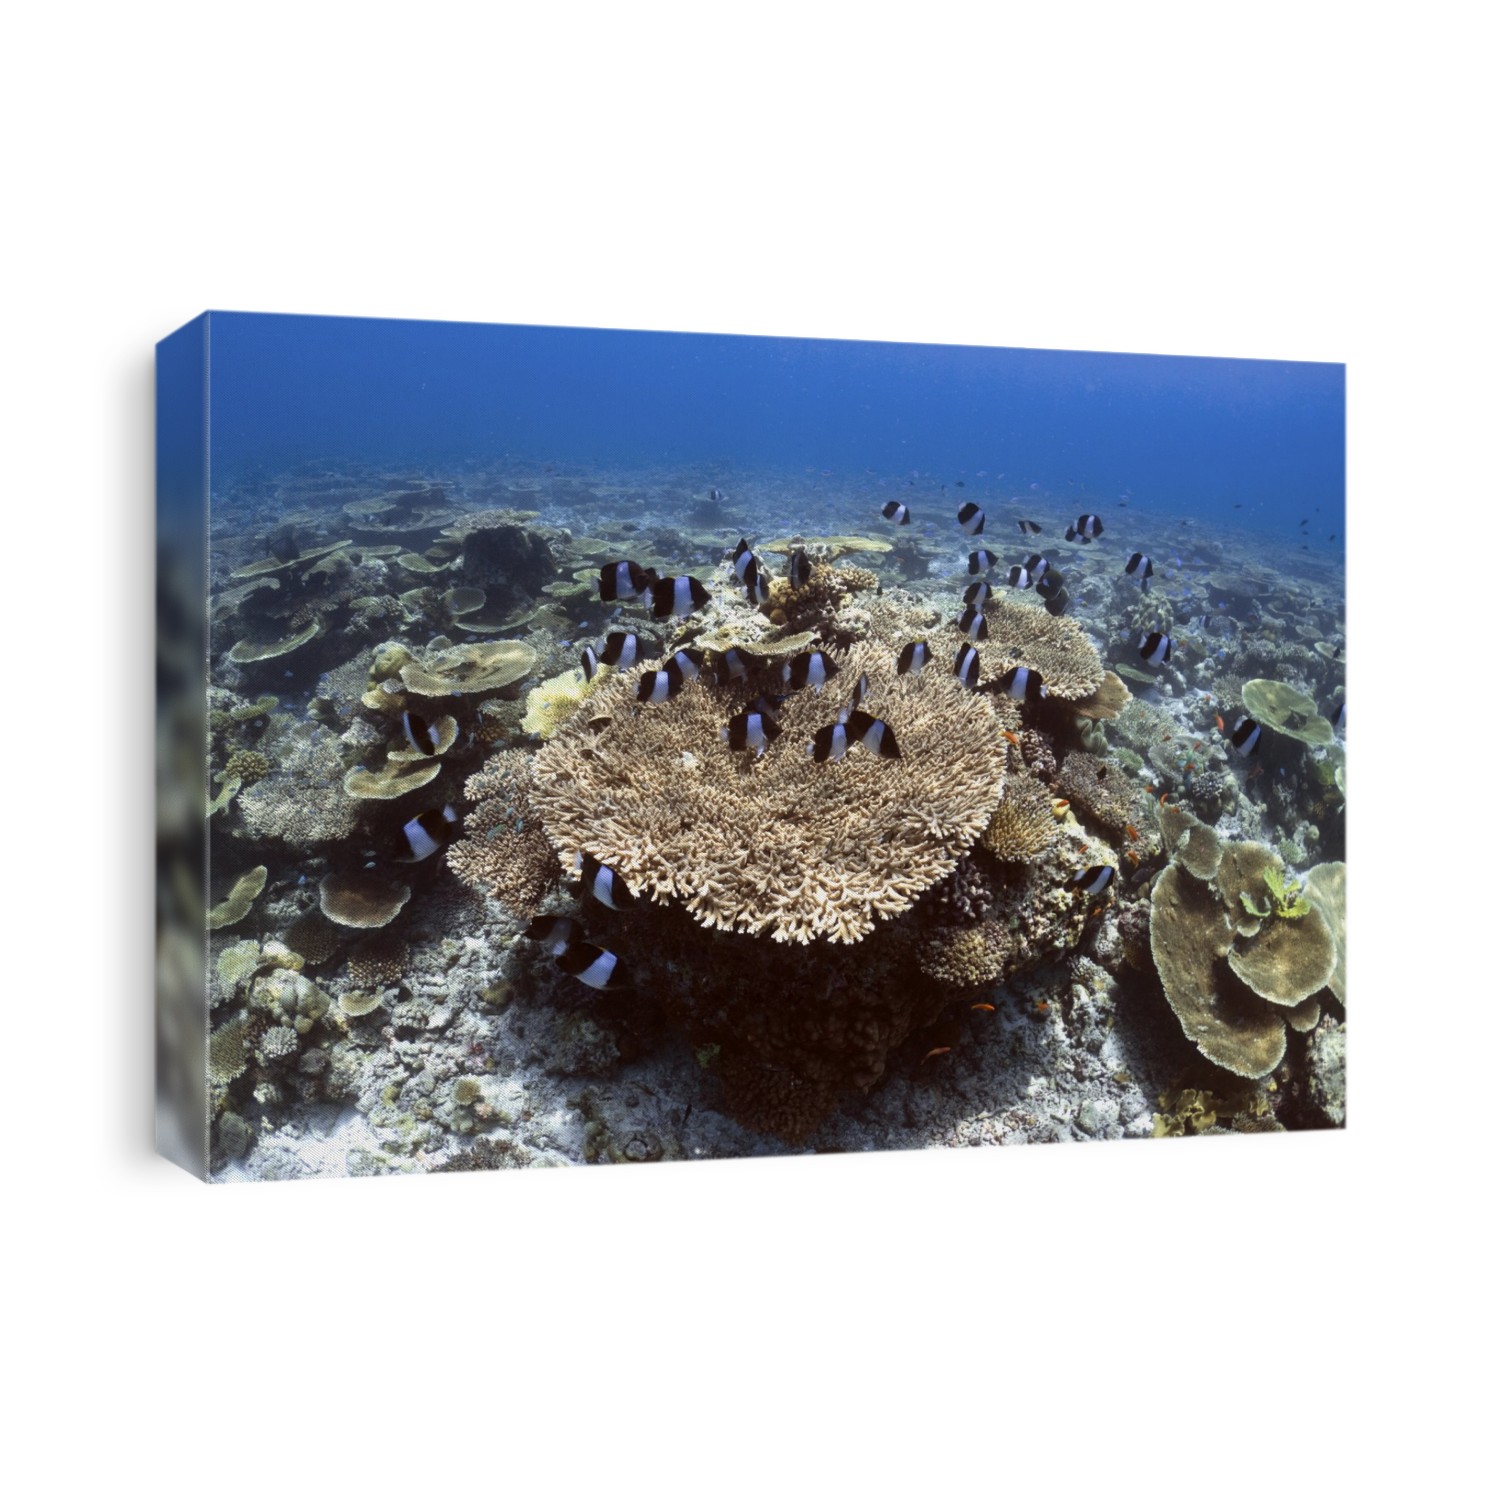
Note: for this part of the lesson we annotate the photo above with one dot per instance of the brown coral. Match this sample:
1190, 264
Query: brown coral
965, 957
1100, 790
314, 937
378, 962
1025, 635
249, 765
1024, 825
783, 844
504, 850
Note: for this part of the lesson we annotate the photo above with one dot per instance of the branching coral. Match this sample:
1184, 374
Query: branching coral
1100, 790
1025, 635
965, 957
783, 844
504, 850
1024, 825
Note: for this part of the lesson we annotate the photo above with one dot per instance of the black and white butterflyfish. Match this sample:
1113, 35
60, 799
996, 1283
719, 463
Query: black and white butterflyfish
658, 686
1023, 683
860, 689
743, 559
833, 741
971, 518
974, 625
689, 662
1018, 578
808, 669
716, 495
1028, 528
622, 649
1037, 566
600, 882
676, 596
590, 660
1057, 601
1085, 529
622, 580
1337, 719
799, 568
757, 584
594, 966
752, 730
420, 735
554, 932
1156, 648
966, 666
1244, 738
1093, 881
735, 664
894, 510
914, 656
978, 593
981, 561
426, 833
1139, 567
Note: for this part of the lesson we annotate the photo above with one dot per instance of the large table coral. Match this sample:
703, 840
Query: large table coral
782, 845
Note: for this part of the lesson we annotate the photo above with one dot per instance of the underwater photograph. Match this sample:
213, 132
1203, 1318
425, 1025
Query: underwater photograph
631, 747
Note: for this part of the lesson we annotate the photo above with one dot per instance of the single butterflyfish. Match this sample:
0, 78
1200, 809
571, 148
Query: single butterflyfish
1156, 648
594, 966
978, 593
808, 669
974, 625
600, 882
981, 561
966, 666
971, 519
554, 932
622, 580
622, 648
1244, 738
426, 833
1093, 881
751, 730
914, 656
420, 735
894, 510
676, 596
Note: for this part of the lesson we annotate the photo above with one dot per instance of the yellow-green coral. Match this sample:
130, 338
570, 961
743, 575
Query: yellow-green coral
551, 705
240, 899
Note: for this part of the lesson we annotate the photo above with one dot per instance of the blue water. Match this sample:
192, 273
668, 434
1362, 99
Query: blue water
1178, 435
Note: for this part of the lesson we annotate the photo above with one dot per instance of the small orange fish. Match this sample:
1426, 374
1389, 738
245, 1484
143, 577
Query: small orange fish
1197, 744
1042, 1007
1095, 912
1190, 766
1164, 796
1219, 720
1130, 832
1133, 857
1256, 772
1151, 790
1165, 738
936, 1052
1015, 739
983, 1005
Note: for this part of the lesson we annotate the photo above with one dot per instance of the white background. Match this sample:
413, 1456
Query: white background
1298, 1315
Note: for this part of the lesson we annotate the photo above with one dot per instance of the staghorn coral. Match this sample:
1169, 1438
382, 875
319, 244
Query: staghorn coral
1023, 634
965, 957
782, 844
1024, 825
1036, 751
504, 850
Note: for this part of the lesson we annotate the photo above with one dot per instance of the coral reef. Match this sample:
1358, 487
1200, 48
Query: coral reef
505, 851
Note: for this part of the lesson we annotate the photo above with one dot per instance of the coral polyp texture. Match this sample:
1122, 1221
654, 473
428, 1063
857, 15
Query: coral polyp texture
781, 844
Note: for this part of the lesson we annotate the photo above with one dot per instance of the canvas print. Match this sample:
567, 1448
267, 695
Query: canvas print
631, 747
